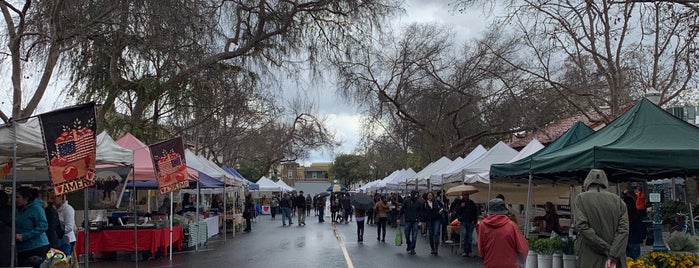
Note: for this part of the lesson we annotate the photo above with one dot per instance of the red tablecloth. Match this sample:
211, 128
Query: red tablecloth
123, 240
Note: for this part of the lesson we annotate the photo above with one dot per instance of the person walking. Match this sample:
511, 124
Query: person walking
66, 214
309, 204
249, 213
31, 226
285, 205
300, 204
433, 209
274, 206
467, 213
320, 206
637, 231
382, 210
346, 205
602, 223
500, 242
412, 214
359, 216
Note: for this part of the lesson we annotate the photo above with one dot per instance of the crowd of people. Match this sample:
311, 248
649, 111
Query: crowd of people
43, 221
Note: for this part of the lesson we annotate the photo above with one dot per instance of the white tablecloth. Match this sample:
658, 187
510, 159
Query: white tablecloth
211, 226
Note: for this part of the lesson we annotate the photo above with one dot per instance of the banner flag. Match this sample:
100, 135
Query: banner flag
5, 169
69, 142
170, 166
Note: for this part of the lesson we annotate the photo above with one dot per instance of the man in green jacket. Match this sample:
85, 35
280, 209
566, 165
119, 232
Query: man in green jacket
602, 222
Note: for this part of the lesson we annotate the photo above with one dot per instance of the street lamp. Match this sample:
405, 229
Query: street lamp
658, 243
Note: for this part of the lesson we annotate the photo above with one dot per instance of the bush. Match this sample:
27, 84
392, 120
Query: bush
680, 241
669, 210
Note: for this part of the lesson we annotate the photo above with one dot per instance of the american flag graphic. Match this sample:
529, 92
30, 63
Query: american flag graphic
169, 167
76, 149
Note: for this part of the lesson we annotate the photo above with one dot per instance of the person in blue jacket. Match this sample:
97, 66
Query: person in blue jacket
31, 226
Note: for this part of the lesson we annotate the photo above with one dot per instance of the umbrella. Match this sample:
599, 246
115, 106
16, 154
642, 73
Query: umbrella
322, 194
362, 201
459, 189
331, 188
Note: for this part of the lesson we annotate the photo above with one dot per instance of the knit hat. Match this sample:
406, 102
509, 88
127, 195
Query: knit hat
497, 206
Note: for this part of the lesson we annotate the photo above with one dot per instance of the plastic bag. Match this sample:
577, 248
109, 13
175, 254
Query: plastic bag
474, 237
399, 237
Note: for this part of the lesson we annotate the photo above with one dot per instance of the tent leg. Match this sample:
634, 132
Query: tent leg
225, 221
86, 227
529, 205
171, 211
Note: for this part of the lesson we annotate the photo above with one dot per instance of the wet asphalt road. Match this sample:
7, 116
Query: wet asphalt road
315, 245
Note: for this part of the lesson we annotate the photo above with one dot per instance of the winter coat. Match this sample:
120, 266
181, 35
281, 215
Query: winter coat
412, 210
381, 208
431, 213
467, 211
300, 202
501, 243
602, 223
6, 235
31, 223
54, 225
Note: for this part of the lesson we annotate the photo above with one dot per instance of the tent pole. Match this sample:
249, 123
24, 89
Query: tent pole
674, 189
225, 221
14, 201
86, 226
529, 204
171, 211
196, 244
134, 197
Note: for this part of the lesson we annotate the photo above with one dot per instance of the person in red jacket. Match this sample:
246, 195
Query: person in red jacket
500, 242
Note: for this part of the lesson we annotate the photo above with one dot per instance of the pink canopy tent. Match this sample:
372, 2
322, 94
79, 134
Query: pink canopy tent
142, 159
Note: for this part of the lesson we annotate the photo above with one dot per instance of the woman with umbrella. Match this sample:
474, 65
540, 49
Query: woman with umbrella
361, 203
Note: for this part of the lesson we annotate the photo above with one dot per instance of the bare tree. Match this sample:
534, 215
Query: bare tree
605, 53
431, 99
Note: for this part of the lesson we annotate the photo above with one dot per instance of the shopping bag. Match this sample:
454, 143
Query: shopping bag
399, 237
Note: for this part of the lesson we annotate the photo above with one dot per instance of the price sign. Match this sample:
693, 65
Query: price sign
654, 197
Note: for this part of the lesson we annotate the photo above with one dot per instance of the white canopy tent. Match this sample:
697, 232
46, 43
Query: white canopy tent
381, 184
531, 148
426, 172
267, 185
395, 182
285, 187
440, 176
479, 170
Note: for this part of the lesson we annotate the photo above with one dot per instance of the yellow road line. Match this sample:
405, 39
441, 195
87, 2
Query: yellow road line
342, 245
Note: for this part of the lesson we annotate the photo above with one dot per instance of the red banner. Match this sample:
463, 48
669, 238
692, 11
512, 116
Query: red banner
69, 141
170, 166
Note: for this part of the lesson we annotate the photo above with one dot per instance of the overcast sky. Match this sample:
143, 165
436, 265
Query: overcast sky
343, 118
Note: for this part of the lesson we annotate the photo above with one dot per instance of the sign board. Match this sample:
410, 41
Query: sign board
654, 197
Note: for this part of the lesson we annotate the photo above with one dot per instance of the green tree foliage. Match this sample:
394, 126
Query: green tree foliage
349, 169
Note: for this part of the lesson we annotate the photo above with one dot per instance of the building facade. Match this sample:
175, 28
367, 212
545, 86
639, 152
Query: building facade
293, 172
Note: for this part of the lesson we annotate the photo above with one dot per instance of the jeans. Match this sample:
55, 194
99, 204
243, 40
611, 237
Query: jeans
321, 214
381, 226
286, 214
347, 213
633, 250
411, 234
360, 229
466, 233
433, 228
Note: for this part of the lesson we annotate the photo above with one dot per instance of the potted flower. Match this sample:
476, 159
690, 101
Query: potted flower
544, 250
557, 244
531, 255
569, 259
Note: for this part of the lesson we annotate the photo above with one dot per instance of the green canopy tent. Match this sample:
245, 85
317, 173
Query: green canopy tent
520, 168
646, 141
